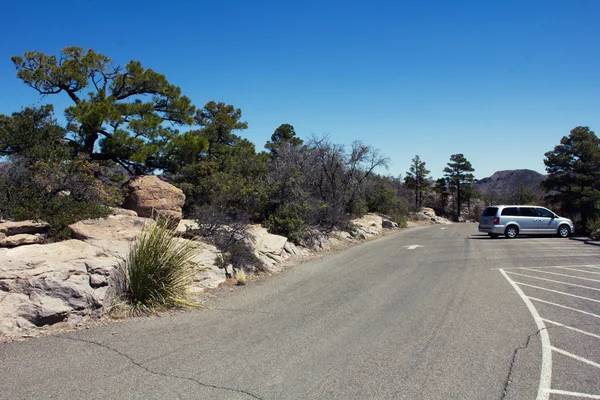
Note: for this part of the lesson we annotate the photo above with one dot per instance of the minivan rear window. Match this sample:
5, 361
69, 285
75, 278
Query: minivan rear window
511, 211
490, 212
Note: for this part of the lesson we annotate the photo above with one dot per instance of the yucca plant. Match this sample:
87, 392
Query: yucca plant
157, 271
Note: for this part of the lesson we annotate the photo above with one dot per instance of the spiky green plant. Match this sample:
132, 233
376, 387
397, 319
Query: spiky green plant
157, 271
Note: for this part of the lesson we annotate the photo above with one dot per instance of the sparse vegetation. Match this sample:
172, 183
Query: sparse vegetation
240, 277
157, 272
594, 228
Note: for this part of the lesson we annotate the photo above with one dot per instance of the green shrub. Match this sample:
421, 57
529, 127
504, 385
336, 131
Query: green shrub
59, 212
400, 219
157, 273
56, 191
289, 221
593, 228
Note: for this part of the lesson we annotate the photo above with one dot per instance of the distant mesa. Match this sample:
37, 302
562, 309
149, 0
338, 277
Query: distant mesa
505, 182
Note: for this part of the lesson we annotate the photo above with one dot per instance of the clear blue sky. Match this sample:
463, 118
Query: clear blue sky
500, 82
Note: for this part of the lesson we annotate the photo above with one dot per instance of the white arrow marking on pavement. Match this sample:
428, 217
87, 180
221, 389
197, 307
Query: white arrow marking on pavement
412, 246
443, 228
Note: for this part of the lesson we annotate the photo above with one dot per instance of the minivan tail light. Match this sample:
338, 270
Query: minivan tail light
496, 220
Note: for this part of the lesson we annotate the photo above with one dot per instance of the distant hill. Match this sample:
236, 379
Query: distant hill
504, 184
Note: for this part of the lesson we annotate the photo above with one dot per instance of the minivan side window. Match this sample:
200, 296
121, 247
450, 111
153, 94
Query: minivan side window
542, 212
528, 212
511, 211
490, 212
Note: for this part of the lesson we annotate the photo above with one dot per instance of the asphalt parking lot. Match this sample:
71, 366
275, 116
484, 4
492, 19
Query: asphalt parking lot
559, 282
431, 313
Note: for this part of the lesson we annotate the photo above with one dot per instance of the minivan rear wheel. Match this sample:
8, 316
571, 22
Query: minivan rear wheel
564, 231
511, 232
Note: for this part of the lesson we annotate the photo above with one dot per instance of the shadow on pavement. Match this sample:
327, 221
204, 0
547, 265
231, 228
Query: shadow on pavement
585, 240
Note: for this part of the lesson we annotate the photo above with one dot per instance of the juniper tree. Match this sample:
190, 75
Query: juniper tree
459, 177
417, 179
574, 174
124, 114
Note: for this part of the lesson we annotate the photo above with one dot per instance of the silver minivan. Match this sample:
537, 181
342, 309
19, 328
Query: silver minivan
511, 221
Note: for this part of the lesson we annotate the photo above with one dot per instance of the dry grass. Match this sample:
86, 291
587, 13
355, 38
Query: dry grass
240, 277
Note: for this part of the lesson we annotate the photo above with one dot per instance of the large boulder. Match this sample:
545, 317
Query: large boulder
367, 226
265, 242
429, 212
268, 248
45, 284
427, 216
152, 197
387, 224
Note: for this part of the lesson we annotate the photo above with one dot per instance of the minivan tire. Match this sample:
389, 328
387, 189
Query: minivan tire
511, 232
493, 235
564, 231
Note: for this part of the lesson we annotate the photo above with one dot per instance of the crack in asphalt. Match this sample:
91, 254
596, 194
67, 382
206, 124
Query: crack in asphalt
141, 366
508, 380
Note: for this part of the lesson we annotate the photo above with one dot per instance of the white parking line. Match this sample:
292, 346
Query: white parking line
580, 270
546, 255
576, 357
556, 273
549, 267
546, 369
566, 307
572, 328
554, 281
575, 394
558, 291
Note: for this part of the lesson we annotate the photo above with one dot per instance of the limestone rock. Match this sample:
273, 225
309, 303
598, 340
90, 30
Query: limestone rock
97, 281
265, 242
46, 284
429, 212
387, 224
150, 197
21, 239
187, 224
208, 278
113, 227
49, 310
368, 225
428, 215
268, 264
122, 211
23, 227
112, 234
205, 254
16, 310
291, 249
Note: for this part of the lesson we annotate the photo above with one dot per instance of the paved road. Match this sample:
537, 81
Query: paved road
462, 317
